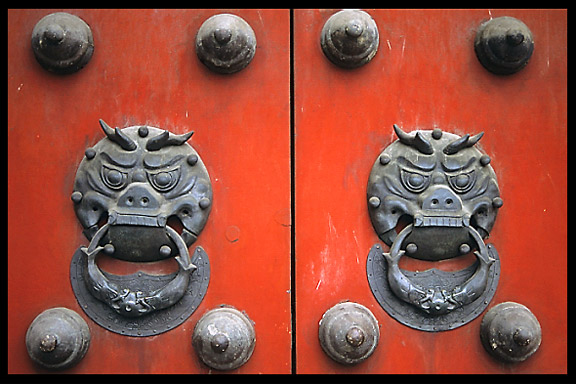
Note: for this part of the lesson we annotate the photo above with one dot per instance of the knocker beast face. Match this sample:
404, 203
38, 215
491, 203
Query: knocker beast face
441, 183
131, 188
136, 180
446, 190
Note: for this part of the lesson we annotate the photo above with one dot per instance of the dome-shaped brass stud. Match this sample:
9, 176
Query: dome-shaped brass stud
62, 43
349, 38
225, 43
348, 333
504, 45
224, 338
58, 338
510, 332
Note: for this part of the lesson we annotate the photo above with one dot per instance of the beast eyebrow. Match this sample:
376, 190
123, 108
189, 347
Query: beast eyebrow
121, 161
155, 162
421, 167
458, 166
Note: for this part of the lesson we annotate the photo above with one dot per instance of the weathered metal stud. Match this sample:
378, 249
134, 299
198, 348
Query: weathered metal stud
225, 43
510, 332
349, 38
62, 43
411, 248
109, 249
224, 338
385, 159
504, 45
165, 251
497, 202
485, 160
204, 203
348, 333
143, 131
436, 133
192, 160
90, 153
76, 197
374, 201
58, 338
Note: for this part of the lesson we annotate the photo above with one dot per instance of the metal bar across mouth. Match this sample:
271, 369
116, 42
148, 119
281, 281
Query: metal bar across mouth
438, 221
142, 220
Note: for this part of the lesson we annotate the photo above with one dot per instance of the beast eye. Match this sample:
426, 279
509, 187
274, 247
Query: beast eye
463, 182
114, 178
414, 182
164, 180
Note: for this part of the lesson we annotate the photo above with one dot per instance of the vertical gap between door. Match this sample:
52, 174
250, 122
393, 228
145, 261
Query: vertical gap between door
292, 198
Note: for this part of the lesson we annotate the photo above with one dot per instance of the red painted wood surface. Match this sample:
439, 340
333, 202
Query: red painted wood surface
426, 75
145, 71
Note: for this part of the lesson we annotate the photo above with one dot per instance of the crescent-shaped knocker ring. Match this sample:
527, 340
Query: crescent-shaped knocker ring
135, 303
436, 300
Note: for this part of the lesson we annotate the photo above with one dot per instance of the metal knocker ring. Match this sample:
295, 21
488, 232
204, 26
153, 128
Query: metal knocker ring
125, 301
433, 300
437, 300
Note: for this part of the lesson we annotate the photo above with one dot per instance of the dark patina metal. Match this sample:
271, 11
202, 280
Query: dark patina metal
433, 291
225, 43
224, 338
445, 189
349, 38
127, 190
132, 288
348, 333
62, 43
504, 45
58, 338
510, 332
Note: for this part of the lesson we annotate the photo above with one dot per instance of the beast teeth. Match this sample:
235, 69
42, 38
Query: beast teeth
148, 221
437, 221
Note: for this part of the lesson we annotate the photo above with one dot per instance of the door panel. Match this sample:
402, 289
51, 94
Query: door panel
425, 75
145, 71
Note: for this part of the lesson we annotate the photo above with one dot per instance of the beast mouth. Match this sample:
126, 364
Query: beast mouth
139, 236
438, 236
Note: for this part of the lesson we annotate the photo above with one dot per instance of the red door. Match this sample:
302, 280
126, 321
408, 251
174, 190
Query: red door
426, 75
145, 71
289, 142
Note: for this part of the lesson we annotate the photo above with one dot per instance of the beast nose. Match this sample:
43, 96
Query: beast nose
441, 198
139, 196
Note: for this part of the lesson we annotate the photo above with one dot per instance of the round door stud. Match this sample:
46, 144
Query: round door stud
348, 333
224, 338
349, 38
225, 43
504, 45
510, 332
62, 43
58, 338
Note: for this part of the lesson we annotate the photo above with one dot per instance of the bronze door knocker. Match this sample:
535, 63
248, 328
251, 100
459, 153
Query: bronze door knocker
443, 186
128, 187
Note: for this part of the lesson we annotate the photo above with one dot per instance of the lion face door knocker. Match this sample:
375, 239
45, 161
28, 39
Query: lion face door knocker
447, 190
129, 187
